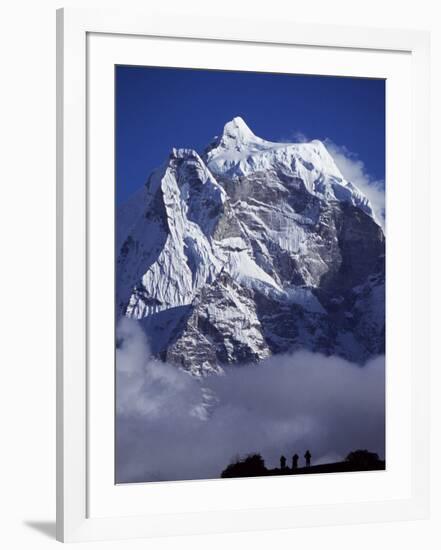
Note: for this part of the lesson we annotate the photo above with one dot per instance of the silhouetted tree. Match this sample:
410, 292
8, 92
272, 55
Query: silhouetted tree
250, 466
363, 458
282, 462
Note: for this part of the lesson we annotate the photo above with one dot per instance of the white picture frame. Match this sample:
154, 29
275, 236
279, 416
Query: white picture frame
76, 519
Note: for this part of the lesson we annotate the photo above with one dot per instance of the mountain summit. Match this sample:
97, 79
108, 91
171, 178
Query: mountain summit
238, 152
237, 131
250, 249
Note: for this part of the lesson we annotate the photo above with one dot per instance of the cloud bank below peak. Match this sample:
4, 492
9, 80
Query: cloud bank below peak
172, 426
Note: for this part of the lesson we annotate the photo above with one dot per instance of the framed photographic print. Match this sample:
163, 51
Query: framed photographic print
242, 264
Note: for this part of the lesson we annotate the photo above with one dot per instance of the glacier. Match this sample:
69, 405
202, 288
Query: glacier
248, 249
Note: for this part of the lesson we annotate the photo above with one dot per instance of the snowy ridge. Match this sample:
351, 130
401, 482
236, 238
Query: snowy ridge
238, 152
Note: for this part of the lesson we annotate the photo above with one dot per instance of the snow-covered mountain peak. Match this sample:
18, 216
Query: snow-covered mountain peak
236, 137
183, 169
239, 153
184, 153
237, 131
252, 248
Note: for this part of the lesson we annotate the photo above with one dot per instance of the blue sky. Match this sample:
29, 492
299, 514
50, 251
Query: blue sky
161, 108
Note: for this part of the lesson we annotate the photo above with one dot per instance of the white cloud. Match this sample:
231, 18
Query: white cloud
173, 426
297, 136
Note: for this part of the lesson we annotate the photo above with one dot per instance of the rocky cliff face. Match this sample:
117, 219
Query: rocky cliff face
251, 249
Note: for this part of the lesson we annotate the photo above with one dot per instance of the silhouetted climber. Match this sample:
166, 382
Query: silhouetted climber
308, 458
295, 461
282, 462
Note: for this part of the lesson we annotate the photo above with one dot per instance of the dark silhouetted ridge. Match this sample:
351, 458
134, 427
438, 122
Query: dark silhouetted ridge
253, 465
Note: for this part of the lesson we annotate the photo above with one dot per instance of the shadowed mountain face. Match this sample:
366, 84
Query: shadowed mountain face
252, 249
